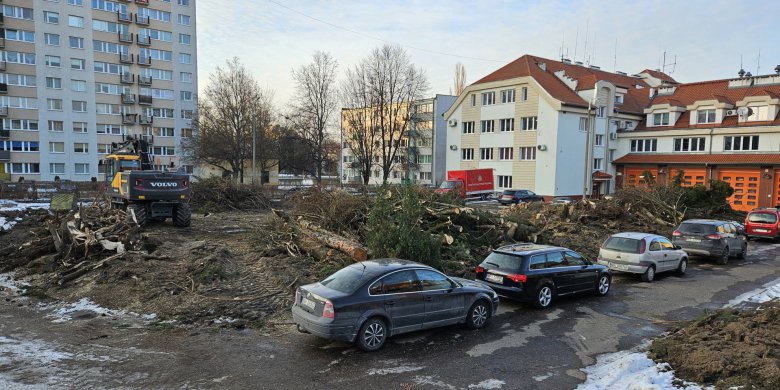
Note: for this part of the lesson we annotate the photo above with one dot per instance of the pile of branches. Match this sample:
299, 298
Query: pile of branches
74, 243
218, 194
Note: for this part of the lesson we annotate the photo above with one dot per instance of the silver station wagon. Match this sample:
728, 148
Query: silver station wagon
642, 253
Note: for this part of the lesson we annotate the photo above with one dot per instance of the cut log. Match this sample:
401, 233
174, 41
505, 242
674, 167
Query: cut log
332, 240
447, 239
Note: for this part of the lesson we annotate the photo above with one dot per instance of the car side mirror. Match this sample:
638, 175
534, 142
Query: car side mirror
677, 247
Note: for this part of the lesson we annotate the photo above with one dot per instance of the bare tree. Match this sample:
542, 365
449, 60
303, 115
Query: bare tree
231, 110
314, 104
377, 96
460, 78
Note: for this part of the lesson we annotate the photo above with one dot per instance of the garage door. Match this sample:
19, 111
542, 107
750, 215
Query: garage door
776, 189
636, 176
691, 176
745, 185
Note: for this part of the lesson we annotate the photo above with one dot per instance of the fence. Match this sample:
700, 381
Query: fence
42, 190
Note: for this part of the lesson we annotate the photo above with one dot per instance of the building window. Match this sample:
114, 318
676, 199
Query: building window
51, 17
486, 154
187, 96
488, 98
57, 168
185, 58
19, 168
695, 144
508, 96
53, 83
661, 119
473, 100
75, 21
597, 164
81, 169
79, 127
507, 124
425, 159
185, 39
583, 124
80, 147
745, 142
758, 113
184, 20
56, 126
76, 2
185, 3
76, 42
487, 126
78, 85
104, 148
51, 39
506, 153
524, 93
601, 112
504, 181
598, 140
53, 61
468, 127
644, 145
54, 104
79, 106
619, 98
19, 35
185, 77
705, 116
77, 64
528, 123
527, 153
467, 154
56, 147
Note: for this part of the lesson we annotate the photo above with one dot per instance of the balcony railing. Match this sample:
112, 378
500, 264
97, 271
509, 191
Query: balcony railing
126, 37
5, 155
143, 40
128, 98
126, 58
144, 60
145, 100
144, 80
128, 119
124, 18
141, 19
127, 78
145, 119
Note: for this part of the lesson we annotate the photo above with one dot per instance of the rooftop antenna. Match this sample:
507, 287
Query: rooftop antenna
758, 62
563, 43
587, 27
614, 60
576, 42
665, 65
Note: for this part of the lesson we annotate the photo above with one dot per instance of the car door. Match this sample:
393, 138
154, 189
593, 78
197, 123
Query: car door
586, 276
562, 275
735, 239
402, 299
671, 257
444, 302
656, 255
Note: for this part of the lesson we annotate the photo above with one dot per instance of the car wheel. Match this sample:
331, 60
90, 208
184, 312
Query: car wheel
603, 286
682, 267
649, 274
544, 296
724, 257
478, 315
743, 253
372, 335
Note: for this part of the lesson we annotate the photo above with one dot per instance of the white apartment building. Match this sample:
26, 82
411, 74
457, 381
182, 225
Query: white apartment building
77, 75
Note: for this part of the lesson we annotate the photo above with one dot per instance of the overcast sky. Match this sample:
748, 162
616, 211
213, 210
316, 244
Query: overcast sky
271, 37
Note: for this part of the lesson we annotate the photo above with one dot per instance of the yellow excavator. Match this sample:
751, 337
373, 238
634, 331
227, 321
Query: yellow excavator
146, 194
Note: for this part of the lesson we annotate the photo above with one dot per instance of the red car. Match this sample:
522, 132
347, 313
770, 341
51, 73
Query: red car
763, 222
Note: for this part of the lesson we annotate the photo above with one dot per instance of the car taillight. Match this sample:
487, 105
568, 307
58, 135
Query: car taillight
713, 236
327, 311
517, 278
642, 246
479, 269
676, 233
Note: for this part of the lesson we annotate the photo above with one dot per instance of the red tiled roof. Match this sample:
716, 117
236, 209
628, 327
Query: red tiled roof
601, 175
660, 75
746, 158
634, 101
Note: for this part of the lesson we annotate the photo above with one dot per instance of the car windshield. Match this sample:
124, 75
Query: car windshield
696, 228
502, 260
508, 192
762, 218
447, 184
348, 279
623, 244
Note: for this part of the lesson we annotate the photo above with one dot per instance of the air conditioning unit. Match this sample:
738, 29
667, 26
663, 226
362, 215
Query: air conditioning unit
453, 147
541, 147
452, 122
731, 113
612, 136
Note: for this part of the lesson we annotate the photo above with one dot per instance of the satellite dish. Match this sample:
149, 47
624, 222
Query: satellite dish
744, 111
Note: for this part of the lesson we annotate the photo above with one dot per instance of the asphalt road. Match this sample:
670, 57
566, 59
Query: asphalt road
523, 348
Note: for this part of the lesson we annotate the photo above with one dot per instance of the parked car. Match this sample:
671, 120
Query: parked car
763, 222
712, 238
562, 200
642, 253
540, 273
518, 196
368, 302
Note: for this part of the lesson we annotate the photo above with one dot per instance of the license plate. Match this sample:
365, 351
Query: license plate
308, 303
762, 230
494, 278
693, 239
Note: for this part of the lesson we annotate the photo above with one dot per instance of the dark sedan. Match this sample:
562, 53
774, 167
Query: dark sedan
368, 302
519, 196
540, 273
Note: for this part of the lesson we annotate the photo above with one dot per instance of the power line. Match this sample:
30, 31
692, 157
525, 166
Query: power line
377, 38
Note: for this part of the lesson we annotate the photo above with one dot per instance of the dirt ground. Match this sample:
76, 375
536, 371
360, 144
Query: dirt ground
726, 348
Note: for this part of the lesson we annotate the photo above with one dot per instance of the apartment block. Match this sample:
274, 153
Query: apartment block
77, 75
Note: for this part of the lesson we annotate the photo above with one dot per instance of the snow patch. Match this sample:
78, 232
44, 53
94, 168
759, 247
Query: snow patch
631, 370
224, 320
7, 205
5, 224
431, 381
397, 368
65, 313
541, 378
488, 384
762, 294
8, 282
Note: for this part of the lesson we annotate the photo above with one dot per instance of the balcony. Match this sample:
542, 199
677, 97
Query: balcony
144, 80
124, 18
143, 40
5, 133
5, 155
3, 111
145, 119
2, 43
3, 88
128, 98
127, 78
126, 58
126, 37
3, 65
142, 20
2, 18
144, 60
142, 2
145, 100
128, 119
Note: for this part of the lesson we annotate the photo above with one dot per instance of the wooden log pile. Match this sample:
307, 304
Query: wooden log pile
217, 194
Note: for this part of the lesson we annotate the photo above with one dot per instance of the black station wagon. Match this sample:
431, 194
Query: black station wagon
539, 273
368, 302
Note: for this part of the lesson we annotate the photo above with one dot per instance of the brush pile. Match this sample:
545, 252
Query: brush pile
217, 194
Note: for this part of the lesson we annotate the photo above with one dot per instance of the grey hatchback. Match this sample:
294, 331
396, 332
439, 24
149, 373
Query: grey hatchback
368, 302
712, 238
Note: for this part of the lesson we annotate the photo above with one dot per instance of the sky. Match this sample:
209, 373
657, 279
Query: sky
703, 40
